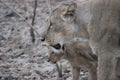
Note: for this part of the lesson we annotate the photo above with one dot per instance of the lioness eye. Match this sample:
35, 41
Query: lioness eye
70, 13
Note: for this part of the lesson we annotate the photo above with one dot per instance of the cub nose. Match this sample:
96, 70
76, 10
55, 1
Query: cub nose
57, 46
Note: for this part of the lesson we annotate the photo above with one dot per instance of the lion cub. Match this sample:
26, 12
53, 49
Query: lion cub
79, 54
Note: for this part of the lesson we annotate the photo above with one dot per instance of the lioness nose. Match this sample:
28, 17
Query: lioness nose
57, 46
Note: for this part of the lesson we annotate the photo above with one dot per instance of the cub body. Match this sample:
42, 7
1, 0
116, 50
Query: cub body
80, 55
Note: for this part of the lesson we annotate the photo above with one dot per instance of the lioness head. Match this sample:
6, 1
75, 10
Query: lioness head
60, 25
64, 24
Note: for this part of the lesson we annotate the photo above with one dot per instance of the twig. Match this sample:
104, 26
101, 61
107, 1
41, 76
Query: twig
16, 56
34, 13
24, 19
32, 34
43, 76
59, 69
33, 22
48, 2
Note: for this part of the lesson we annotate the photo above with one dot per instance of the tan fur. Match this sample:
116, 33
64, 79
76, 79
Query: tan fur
102, 20
104, 31
62, 27
79, 54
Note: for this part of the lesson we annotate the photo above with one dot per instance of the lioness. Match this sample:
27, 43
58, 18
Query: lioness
79, 54
101, 19
104, 33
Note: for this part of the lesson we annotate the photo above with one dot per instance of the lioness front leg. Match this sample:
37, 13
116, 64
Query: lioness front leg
106, 66
75, 73
116, 75
92, 72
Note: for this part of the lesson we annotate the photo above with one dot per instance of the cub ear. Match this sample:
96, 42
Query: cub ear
70, 12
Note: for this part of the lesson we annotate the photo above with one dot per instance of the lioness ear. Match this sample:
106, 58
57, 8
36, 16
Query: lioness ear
70, 13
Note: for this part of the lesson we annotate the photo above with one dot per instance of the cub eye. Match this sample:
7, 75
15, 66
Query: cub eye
57, 46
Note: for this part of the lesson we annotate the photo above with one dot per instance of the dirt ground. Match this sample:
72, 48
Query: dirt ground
20, 59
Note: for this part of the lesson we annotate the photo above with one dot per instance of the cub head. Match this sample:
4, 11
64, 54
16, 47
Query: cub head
53, 57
